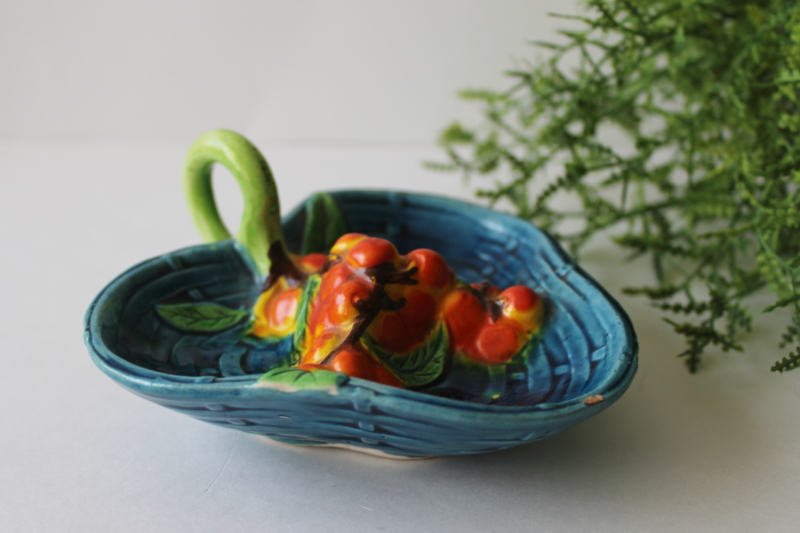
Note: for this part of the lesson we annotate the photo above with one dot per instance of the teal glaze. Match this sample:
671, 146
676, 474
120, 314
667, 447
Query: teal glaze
585, 360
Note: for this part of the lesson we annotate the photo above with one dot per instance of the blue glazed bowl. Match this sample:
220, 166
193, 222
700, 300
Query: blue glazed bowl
585, 358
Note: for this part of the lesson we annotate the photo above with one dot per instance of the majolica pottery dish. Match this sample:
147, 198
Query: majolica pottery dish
581, 361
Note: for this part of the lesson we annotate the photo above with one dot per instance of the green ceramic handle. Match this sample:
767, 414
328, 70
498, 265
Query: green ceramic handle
260, 227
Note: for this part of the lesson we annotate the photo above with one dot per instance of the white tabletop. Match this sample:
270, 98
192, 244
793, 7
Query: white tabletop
716, 451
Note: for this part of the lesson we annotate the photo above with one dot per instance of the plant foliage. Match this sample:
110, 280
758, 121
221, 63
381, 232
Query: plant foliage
706, 182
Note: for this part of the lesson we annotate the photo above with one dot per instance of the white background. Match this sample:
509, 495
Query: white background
98, 103
347, 71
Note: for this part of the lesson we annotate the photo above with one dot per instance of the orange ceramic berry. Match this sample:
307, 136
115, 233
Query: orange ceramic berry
355, 363
523, 306
393, 333
346, 242
342, 305
419, 314
275, 310
497, 343
520, 298
352, 363
433, 269
338, 274
311, 263
400, 330
372, 251
283, 309
464, 316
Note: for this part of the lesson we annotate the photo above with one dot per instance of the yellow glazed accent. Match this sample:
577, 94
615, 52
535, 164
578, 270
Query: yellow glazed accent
529, 319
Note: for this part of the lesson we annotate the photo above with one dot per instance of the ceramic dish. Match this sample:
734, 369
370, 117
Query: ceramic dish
178, 329
586, 356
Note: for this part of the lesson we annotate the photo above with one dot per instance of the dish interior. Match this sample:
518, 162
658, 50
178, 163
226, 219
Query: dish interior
585, 346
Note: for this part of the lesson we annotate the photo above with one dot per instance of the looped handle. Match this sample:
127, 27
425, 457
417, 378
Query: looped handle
260, 226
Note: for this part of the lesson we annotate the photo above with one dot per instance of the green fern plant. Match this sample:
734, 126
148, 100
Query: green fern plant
708, 186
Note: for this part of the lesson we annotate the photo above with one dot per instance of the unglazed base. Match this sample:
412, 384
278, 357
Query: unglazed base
368, 451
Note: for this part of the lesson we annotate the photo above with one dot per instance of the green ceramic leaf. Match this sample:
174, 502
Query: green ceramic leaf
292, 379
309, 293
201, 317
324, 224
419, 366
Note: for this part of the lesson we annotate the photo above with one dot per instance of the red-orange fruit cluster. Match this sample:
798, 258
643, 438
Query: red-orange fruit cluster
484, 324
